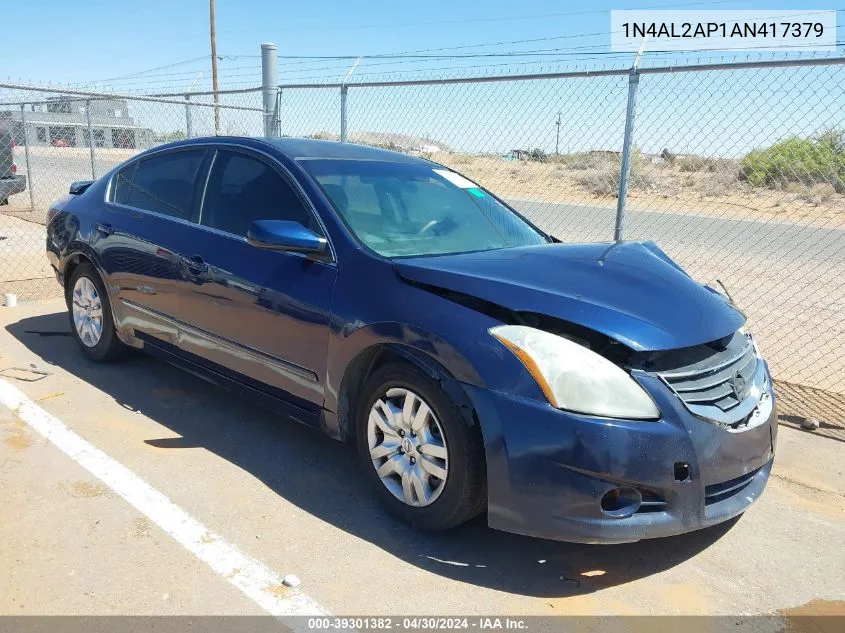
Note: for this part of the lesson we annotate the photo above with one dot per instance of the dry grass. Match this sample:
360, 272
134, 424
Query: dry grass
819, 194
696, 185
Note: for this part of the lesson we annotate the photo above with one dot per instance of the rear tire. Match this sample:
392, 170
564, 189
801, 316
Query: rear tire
436, 475
89, 311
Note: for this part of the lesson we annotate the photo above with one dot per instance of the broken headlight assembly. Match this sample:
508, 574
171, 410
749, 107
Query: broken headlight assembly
575, 378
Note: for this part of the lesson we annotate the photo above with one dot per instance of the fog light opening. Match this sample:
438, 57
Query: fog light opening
621, 503
682, 471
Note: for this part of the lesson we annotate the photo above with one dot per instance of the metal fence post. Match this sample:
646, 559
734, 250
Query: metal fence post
627, 146
277, 113
269, 86
189, 132
26, 155
343, 91
90, 137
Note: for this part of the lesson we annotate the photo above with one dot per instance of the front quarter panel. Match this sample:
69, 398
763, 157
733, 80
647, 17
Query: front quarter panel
372, 306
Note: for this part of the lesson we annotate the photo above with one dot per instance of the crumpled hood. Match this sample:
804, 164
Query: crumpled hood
631, 291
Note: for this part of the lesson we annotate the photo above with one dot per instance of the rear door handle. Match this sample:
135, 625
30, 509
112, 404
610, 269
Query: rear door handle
104, 229
195, 264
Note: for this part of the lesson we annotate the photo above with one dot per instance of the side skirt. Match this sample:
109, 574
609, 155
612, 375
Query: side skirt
239, 387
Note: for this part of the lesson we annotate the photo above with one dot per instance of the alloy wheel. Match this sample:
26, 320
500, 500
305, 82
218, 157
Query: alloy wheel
407, 447
87, 312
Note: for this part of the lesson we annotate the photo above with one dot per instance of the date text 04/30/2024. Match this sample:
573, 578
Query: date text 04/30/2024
481, 623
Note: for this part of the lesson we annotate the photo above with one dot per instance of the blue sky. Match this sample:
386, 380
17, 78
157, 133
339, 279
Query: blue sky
95, 40
162, 46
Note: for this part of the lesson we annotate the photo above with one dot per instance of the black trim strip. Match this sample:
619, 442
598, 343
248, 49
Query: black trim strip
265, 395
278, 363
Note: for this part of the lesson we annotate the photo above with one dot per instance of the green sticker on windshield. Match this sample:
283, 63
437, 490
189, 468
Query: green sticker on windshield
477, 192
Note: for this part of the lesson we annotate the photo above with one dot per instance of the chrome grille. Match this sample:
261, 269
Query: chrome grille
723, 381
724, 385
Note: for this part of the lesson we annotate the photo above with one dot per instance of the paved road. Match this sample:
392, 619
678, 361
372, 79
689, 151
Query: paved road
789, 278
294, 501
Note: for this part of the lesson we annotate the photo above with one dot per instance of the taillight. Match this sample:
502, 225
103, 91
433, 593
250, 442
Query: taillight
14, 168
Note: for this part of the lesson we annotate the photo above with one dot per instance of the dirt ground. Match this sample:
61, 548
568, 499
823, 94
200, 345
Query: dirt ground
712, 191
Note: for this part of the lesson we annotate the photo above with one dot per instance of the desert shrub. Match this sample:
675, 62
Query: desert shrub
588, 160
698, 163
600, 182
819, 193
605, 182
537, 154
797, 160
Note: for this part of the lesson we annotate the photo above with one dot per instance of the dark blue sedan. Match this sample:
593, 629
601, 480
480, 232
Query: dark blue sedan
582, 392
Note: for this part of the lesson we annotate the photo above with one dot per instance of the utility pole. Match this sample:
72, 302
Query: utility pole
557, 136
214, 68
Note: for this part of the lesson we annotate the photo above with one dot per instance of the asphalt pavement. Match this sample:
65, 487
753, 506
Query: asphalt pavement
103, 466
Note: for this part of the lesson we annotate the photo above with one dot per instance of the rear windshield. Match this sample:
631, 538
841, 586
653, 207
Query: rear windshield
407, 209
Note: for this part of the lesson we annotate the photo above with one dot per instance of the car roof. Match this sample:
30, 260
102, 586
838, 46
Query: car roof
305, 148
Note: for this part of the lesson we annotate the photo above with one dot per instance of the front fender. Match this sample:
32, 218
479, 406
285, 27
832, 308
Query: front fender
404, 339
372, 307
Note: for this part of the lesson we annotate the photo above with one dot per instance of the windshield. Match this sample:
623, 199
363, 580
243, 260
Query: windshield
407, 209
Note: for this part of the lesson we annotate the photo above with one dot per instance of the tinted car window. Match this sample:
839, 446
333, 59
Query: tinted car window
242, 189
407, 209
165, 183
122, 182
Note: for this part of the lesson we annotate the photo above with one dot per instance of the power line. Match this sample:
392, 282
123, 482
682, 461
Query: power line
494, 19
409, 55
142, 72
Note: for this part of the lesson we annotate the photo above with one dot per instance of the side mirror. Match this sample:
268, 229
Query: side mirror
79, 187
285, 235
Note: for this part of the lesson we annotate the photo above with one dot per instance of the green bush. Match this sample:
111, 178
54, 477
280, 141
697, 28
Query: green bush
798, 160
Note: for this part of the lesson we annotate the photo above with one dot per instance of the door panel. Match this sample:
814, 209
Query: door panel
145, 276
262, 313
145, 227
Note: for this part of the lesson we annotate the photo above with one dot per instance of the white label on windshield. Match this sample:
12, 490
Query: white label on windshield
456, 179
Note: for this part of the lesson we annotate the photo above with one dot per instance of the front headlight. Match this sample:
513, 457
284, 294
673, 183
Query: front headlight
574, 378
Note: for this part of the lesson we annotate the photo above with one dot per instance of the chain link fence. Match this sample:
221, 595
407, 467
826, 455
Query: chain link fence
736, 170
53, 138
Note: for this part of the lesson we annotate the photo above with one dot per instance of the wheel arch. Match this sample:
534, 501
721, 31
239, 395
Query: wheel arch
72, 263
82, 255
373, 357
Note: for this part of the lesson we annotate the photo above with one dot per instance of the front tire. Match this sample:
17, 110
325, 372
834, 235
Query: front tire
90, 315
424, 461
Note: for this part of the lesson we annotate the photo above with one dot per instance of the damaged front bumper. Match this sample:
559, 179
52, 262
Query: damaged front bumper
564, 476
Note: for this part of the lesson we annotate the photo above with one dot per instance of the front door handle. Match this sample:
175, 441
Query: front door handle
195, 264
104, 229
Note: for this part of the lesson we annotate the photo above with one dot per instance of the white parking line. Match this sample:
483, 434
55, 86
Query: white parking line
253, 578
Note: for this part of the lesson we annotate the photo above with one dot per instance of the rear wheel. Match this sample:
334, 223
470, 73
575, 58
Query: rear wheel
90, 315
424, 461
